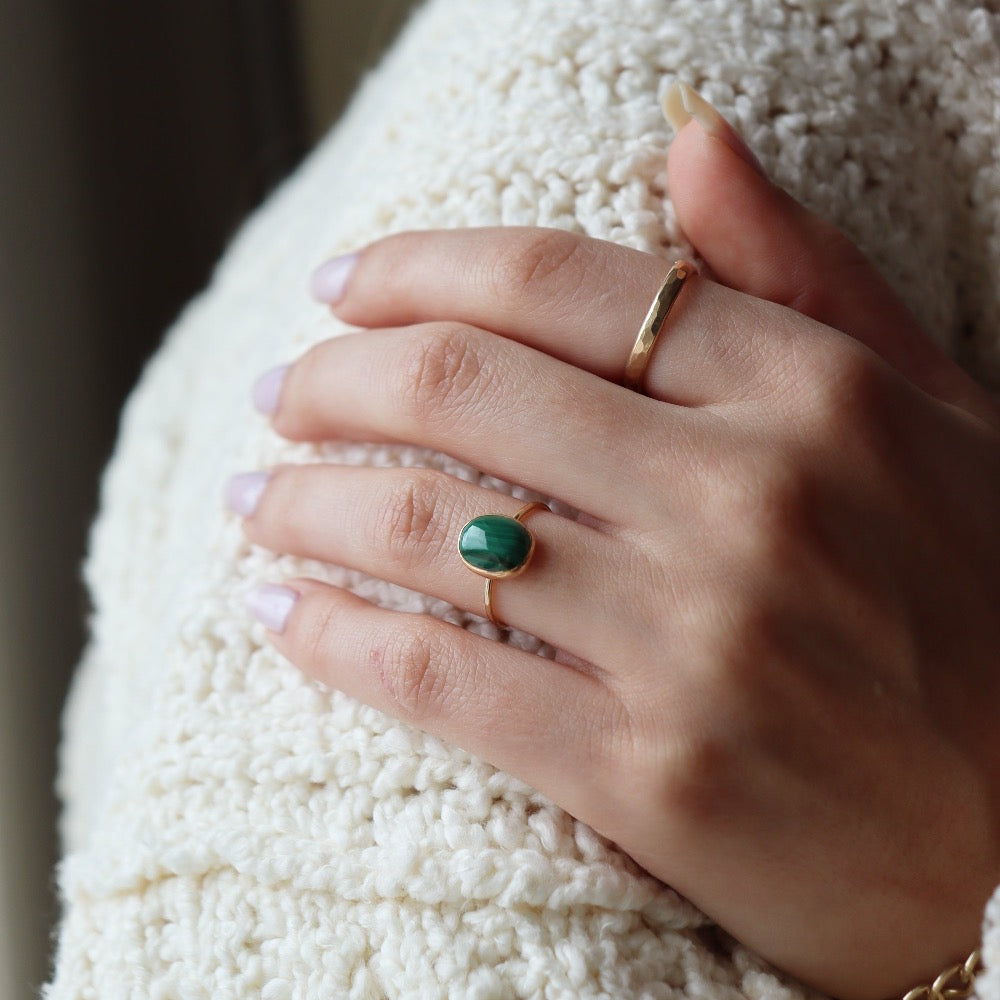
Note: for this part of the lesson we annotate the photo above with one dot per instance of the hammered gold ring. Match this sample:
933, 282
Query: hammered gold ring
498, 547
653, 324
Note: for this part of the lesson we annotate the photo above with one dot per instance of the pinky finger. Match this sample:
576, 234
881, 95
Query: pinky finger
534, 718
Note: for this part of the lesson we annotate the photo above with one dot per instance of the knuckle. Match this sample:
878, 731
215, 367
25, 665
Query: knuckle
535, 266
851, 409
841, 387
784, 500
440, 371
693, 776
768, 518
409, 520
766, 498
699, 778
415, 672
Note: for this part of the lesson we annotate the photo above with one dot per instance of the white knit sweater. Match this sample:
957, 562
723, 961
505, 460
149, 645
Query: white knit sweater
233, 831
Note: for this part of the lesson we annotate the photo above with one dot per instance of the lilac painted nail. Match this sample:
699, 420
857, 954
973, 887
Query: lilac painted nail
271, 604
267, 389
329, 280
243, 492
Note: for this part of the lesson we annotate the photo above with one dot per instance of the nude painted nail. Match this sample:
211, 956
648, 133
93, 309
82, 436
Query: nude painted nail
271, 604
681, 103
243, 492
329, 280
267, 389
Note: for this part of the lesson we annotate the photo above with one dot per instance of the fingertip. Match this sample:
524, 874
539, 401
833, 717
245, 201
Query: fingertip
272, 604
298, 614
328, 283
266, 390
748, 230
682, 105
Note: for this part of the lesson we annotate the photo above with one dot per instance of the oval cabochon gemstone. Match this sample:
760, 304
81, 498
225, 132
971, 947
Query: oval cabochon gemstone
494, 543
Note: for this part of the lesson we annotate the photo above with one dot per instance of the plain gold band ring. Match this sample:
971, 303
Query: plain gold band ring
498, 547
654, 323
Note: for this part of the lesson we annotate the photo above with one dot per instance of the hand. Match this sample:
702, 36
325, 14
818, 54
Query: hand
780, 602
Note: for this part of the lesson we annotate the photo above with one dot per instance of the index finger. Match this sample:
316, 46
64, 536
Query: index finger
575, 298
554, 290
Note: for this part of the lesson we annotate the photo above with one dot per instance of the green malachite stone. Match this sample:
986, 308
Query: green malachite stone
494, 544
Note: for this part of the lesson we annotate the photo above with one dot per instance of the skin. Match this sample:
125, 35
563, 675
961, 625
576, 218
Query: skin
778, 608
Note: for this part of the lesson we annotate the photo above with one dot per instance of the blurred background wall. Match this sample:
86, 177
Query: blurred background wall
133, 140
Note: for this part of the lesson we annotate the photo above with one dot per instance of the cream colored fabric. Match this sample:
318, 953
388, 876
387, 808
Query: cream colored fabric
231, 830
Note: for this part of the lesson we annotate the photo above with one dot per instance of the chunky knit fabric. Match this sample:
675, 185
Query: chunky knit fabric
233, 831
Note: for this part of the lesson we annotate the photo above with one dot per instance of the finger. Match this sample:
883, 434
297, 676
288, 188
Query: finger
573, 297
537, 719
577, 299
757, 239
403, 525
499, 406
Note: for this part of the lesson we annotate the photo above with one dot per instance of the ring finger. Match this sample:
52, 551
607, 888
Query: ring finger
403, 525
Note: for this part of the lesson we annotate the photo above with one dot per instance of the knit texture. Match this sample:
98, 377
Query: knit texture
231, 830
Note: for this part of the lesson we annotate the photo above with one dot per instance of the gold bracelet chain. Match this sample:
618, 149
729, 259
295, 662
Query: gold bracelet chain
956, 983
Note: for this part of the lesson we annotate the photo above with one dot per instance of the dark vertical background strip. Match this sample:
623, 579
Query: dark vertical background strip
134, 138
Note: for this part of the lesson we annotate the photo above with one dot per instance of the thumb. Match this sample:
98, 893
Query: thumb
757, 239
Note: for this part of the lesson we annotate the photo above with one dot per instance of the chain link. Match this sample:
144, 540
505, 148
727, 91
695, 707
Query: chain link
956, 983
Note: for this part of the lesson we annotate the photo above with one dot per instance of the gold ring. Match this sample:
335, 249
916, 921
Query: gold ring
653, 324
499, 548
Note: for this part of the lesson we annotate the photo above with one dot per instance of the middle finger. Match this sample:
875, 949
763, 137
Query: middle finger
502, 407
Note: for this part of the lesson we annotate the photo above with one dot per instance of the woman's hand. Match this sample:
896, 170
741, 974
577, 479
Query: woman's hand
779, 603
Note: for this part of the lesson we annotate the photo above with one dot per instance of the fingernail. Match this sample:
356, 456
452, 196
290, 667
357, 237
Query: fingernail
681, 103
267, 389
271, 604
243, 492
329, 280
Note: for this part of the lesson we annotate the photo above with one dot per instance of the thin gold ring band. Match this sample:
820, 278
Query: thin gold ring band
528, 508
653, 324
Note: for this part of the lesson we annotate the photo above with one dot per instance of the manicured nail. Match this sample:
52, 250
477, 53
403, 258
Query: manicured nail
681, 104
271, 604
243, 492
329, 280
267, 389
